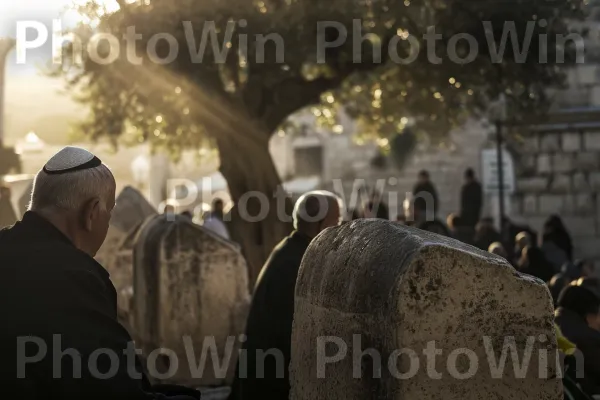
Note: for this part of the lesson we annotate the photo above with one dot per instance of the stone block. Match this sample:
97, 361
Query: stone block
571, 141
591, 140
550, 142
586, 161
530, 204
543, 164
189, 282
585, 204
116, 254
594, 180
551, 203
562, 162
532, 185
531, 143
580, 182
561, 183
404, 293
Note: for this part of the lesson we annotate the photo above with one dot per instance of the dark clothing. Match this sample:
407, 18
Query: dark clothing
556, 256
420, 192
63, 298
7, 213
562, 240
587, 340
269, 323
471, 202
464, 234
485, 236
435, 226
535, 264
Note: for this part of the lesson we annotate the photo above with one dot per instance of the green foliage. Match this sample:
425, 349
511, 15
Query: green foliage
188, 105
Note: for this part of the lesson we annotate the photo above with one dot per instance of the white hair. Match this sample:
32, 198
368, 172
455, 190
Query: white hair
71, 190
302, 213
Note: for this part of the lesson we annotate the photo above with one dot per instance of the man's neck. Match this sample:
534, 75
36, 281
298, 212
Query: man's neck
61, 224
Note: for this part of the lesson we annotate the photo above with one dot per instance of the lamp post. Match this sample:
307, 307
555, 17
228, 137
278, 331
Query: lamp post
6, 45
500, 117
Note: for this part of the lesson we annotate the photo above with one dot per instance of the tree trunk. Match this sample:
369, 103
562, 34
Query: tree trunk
259, 219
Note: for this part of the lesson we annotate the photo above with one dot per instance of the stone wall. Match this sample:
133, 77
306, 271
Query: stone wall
560, 174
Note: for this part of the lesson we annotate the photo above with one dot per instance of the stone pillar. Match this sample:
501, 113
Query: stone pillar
6, 45
384, 311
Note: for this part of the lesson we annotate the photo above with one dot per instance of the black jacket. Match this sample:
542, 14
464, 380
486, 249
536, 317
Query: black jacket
59, 303
587, 341
269, 325
471, 201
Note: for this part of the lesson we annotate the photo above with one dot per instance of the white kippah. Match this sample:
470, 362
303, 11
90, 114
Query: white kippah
71, 159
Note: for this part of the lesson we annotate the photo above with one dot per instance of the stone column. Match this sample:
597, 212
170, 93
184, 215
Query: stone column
6, 45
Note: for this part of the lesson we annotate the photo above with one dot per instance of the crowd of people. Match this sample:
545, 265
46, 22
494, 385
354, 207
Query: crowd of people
52, 285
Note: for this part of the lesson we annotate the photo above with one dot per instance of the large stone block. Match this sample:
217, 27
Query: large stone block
372, 291
580, 226
550, 142
116, 254
529, 205
586, 161
580, 182
571, 141
591, 140
594, 179
544, 166
534, 184
562, 162
190, 290
551, 203
531, 143
561, 183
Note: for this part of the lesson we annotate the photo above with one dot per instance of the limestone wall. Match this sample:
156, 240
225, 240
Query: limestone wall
560, 174
394, 290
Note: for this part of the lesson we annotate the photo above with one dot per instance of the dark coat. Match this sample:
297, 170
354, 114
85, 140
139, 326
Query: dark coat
51, 291
471, 202
420, 204
269, 323
587, 340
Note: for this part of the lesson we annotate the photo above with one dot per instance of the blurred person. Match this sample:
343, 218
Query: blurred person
435, 226
376, 207
423, 191
556, 232
52, 287
7, 212
571, 273
556, 285
498, 249
188, 215
486, 234
213, 220
578, 316
534, 263
471, 200
269, 324
510, 232
591, 283
167, 208
459, 230
555, 252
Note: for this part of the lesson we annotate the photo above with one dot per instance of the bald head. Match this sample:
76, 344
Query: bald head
76, 192
316, 211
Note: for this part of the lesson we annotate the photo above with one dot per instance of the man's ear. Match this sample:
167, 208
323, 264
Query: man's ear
90, 213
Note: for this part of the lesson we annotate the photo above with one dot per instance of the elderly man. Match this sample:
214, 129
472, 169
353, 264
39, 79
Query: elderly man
269, 326
60, 337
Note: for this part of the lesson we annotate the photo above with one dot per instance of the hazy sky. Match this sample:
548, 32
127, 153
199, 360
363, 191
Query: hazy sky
44, 11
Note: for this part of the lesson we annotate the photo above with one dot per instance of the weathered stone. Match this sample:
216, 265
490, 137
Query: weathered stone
189, 284
543, 164
586, 161
591, 141
584, 203
529, 204
377, 285
534, 184
580, 182
562, 162
561, 183
551, 203
571, 141
116, 254
550, 142
594, 179
531, 144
